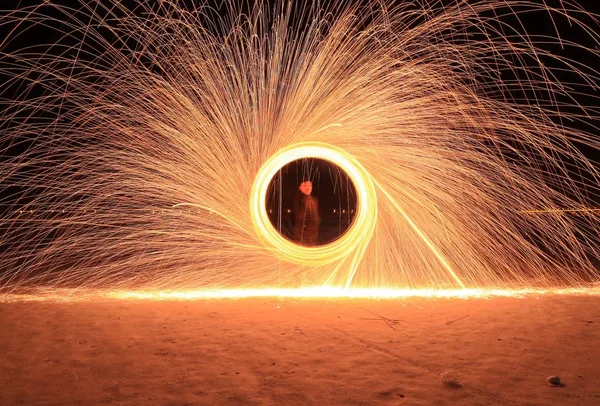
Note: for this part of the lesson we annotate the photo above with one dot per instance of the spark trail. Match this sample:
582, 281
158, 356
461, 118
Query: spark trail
136, 143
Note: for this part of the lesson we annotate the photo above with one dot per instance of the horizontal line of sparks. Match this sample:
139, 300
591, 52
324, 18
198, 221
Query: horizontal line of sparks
80, 295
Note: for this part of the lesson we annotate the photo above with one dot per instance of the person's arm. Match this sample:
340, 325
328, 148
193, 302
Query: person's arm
297, 207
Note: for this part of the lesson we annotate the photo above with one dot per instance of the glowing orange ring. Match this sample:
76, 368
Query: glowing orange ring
356, 236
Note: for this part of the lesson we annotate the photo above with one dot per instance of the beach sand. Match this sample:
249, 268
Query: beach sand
270, 351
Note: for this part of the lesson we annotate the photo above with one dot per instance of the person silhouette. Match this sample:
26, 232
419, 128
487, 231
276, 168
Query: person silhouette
306, 215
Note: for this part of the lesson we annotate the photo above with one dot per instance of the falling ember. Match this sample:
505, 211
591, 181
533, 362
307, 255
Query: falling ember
138, 148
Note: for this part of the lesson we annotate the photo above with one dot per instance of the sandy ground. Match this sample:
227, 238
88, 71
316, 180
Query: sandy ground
310, 351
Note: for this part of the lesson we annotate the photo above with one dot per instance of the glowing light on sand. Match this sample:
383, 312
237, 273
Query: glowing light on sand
323, 292
138, 148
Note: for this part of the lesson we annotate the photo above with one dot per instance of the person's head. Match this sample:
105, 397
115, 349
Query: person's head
306, 187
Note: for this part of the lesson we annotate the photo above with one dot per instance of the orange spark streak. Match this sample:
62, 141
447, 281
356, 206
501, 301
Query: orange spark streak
81, 295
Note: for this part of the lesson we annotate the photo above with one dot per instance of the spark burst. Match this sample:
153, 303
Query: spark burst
151, 135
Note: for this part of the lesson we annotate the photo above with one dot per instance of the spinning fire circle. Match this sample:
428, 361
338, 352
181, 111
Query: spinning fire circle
359, 232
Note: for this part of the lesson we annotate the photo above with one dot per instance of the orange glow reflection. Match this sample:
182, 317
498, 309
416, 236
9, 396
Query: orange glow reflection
81, 295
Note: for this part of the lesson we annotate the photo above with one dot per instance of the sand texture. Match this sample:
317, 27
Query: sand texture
310, 351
